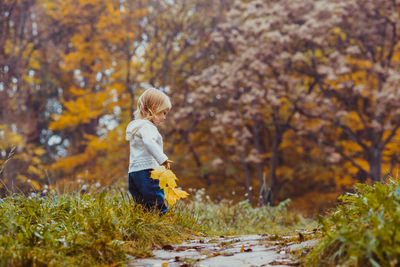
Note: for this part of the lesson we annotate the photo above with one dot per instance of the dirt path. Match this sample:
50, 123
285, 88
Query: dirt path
231, 251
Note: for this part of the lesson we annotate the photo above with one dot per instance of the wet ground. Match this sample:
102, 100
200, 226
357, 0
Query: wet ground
232, 251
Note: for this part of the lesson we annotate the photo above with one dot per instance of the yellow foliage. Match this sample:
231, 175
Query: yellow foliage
82, 110
78, 92
285, 171
318, 53
34, 62
34, 170
166, 177
25, 160
351, 146
167, 182
361, 63
353, 119
9, 138
35, 185
173, 194
39, 151
396, 55
104, 159
21, 178
68, 164
338, 31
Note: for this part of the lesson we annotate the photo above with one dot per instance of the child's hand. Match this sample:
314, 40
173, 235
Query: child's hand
167, 163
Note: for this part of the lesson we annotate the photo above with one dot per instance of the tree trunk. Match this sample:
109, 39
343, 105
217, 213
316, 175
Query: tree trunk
260, 165
273, 164
246, 175
375, 164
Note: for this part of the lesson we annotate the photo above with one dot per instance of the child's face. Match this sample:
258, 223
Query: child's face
160, 117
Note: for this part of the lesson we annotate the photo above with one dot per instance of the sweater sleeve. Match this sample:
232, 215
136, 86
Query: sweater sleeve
149, 136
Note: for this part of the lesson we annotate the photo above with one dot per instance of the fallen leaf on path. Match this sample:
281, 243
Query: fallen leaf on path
214, 254
226, 254
284, 262
301, 237
168, 247
198, 234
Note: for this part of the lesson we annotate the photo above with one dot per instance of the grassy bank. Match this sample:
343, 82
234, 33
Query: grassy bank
102, 228
363, 231
225, 217
88, 229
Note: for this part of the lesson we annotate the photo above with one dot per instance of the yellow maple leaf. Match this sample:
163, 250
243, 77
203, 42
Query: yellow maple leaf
166, 177
167, 181
170, 196
157, 172
180, 193
173, 194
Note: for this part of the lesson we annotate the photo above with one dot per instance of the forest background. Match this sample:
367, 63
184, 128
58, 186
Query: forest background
271, 100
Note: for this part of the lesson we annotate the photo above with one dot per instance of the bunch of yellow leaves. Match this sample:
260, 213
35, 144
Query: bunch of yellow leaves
168, 183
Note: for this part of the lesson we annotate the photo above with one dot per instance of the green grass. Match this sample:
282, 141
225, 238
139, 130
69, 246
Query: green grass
89, 229
226, 217
104, 228
363, 231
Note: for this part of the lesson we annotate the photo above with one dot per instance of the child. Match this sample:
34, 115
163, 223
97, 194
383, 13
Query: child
146, 149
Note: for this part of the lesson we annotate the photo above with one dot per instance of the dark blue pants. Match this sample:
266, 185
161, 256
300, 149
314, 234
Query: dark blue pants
146, 191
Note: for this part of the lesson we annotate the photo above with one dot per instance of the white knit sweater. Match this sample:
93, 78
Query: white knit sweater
146, 145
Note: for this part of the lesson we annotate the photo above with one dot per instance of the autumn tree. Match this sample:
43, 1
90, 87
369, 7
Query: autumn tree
97, 93
252, 93
351, 64
295, 96
24, 90
178, 45
315, 59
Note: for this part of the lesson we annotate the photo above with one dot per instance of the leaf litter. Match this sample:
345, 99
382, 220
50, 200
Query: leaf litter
242, 250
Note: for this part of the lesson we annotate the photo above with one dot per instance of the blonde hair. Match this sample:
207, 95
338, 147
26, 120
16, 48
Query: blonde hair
151, 103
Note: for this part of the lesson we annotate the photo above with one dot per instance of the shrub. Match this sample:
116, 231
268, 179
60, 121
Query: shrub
363, 231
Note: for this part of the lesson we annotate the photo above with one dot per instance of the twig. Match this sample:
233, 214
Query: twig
10, 155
